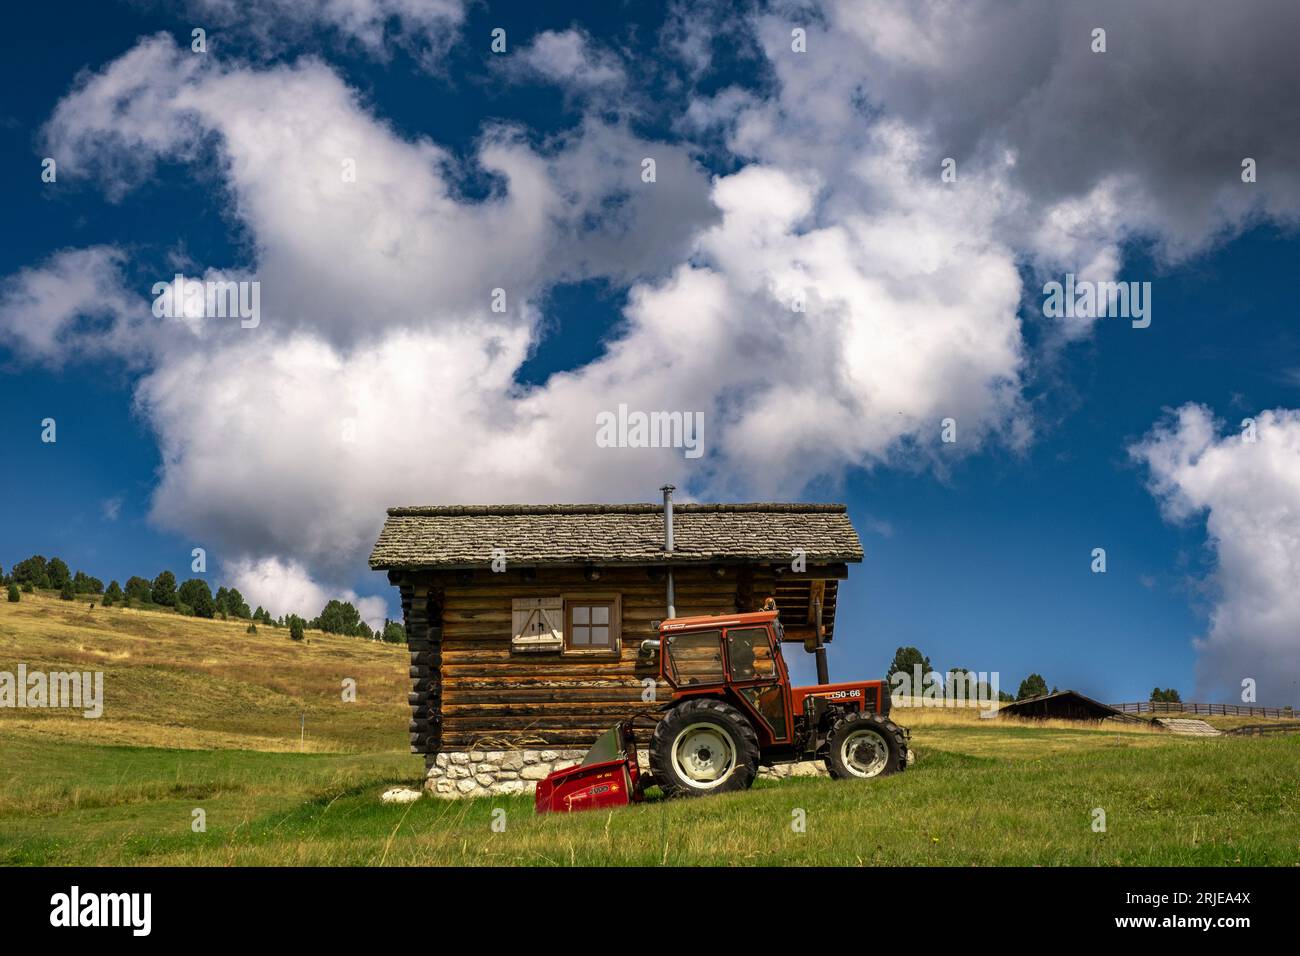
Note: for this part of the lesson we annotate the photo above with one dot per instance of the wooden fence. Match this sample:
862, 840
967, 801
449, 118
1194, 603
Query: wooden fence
1259, 730
1221, 710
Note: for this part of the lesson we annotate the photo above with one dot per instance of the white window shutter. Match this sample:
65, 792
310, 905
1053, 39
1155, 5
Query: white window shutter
537, 624
551, 614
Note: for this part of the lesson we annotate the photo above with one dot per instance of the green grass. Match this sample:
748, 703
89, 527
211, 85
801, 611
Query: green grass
1177, 802
202, 716
63, 802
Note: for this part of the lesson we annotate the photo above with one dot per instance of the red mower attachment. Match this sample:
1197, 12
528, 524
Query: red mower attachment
608, 776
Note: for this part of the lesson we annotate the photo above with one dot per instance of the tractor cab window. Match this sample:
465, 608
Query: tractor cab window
750, 652
695, 657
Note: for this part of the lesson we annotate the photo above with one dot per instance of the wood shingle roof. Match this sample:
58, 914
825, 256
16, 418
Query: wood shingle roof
463, 536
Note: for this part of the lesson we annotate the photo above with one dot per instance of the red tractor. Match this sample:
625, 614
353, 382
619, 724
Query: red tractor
732, 710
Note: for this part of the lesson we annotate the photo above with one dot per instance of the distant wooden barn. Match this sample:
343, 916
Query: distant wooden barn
1061, 705
525, 622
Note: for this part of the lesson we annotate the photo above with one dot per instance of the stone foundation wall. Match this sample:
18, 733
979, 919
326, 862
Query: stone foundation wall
484, 773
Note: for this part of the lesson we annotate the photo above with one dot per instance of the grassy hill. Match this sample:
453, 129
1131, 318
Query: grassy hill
200, 715
181, 681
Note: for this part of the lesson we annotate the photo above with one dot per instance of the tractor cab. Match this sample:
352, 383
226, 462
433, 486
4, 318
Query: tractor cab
738, 654
738, 658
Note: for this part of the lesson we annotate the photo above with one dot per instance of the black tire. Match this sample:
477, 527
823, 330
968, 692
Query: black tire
695, 774
887, 751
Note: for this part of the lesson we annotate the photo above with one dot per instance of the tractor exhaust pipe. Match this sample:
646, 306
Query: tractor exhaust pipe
823, 672
668, 545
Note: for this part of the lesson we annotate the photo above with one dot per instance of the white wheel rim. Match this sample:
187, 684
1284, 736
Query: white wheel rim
704, 755
864, 753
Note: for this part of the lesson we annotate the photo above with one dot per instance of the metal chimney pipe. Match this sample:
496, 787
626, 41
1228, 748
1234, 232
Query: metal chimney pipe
668, 545
668, 516
823, 674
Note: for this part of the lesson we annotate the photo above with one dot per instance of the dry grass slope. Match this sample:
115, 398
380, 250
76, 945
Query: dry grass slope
172, 681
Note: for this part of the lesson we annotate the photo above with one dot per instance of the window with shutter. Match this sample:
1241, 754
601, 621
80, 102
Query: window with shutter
537, 625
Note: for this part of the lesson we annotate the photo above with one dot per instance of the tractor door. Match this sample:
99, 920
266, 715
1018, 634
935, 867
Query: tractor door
756, 673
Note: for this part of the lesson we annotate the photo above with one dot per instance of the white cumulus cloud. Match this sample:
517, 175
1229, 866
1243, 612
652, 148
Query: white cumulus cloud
1248, 493
75, 305
286, 587
571, 59
809, 318
424, 28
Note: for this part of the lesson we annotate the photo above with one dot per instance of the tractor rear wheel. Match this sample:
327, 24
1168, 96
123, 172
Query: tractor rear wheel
861, 746
703, 746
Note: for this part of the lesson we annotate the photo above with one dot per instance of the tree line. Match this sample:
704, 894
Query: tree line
906, 658
193, 598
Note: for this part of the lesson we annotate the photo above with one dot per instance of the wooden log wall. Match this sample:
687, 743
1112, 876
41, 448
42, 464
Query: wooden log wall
422, 613
496, 699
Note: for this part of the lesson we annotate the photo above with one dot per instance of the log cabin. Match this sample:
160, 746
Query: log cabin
525, 623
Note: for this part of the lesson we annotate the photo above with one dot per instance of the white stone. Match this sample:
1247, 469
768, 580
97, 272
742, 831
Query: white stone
549, 755
444, 786
530, 756
494, 755
460, 772
466, 785
459, 758
440, 761
476, 755
507, 775
509, 786
400, 795
538, 772
512, 761
484, 779
807, 768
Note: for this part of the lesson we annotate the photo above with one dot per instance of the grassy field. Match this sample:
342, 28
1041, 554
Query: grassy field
203, 716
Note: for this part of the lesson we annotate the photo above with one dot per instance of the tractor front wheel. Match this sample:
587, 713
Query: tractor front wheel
703, 746
861, 746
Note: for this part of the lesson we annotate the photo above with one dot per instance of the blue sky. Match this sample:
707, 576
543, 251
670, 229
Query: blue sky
772, 164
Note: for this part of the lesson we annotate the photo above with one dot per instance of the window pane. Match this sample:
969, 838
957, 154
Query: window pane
581, 615
751, 654
600, 635
600, 615
582, 635
696, 657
